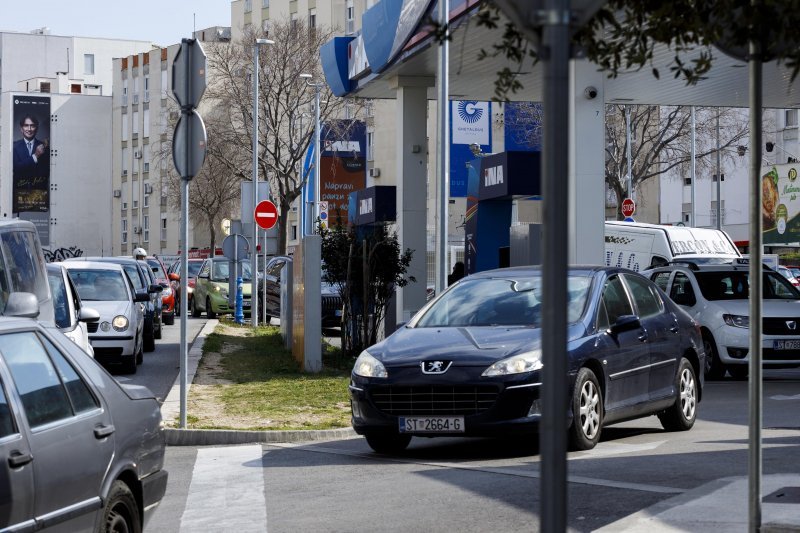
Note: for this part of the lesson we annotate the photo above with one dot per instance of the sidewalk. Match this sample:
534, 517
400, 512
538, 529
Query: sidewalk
171, 409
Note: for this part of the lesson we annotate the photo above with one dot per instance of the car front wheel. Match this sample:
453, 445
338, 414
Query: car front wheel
121, 513
683, 413
587, 411
715, 368
210, 312
387, 443
195, 310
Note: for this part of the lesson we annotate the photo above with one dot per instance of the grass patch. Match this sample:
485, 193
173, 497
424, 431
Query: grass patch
263, 387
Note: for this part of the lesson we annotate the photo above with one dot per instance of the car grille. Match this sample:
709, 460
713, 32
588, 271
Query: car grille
91, 327
107, 352
434, 399
330, 304
778, 326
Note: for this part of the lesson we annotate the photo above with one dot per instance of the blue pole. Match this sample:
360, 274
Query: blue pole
239, 314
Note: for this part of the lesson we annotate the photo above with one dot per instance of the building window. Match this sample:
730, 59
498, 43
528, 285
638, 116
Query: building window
146, 127
790, 116
312, 19
124, 230
147, 89
88, 64
125, 127
164, 85
370, 145
687, 181
164, 228
146, 228
124, 161
75, 88
146, 198
124, 92
349, 17
264, 4
714, 178
248, 6
135, 124
294, 232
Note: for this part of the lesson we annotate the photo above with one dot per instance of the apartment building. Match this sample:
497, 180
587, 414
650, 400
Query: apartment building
143, 204
62, 84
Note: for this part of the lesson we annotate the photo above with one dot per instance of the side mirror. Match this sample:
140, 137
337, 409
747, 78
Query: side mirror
22, 304
625, 323
174, 277
87, 314
141, 297
154, 289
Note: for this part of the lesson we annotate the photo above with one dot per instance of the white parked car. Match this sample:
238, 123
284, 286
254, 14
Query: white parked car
117, 336
717, 297
72, 317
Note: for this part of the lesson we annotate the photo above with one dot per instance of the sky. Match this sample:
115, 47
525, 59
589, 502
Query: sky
162, 22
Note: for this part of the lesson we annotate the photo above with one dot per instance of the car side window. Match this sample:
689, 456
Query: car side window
648, 301
275, 269
661, 279
43, 395
78, 391
133, 274
7, 426
682, 292
614, 301
60, 304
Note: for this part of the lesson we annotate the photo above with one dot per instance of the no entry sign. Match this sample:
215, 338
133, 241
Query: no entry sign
265, 214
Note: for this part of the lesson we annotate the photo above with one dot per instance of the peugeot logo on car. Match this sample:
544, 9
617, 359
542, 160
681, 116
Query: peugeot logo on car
791, 324
435, 367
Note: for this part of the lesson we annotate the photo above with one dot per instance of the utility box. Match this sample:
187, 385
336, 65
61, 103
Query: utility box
286, 304
525, 244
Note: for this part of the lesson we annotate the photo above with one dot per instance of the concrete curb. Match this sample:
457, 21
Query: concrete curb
171, 411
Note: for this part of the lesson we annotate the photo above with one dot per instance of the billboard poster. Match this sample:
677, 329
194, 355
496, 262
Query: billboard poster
31, 154
343, 166
470, 124
780, 204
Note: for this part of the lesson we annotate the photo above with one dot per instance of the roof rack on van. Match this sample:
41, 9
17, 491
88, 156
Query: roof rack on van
691, 265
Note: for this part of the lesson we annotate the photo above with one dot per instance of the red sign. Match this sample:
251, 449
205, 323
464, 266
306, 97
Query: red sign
628, 207
265, 214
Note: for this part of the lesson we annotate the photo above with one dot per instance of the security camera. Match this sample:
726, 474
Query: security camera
590, 93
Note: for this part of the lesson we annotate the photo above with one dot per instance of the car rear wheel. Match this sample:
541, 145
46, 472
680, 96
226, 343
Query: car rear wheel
682, 414
587, 411
129, 364
169, 319
210, 312
387, 443
714, 368
150, 342
139, 355
195, 310
121, 514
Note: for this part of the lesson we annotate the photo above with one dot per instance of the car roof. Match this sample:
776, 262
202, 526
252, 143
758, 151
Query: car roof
706, 267
585, 270
92, 265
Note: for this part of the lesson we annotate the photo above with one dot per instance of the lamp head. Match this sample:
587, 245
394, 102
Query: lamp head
264, 41
305, 75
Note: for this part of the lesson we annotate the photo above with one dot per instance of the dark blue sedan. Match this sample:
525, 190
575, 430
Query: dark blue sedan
470, 362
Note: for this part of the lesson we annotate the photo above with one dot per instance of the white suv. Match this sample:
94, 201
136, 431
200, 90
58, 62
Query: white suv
717, 296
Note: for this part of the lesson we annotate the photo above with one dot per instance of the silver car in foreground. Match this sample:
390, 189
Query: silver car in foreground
80, 451
117, 338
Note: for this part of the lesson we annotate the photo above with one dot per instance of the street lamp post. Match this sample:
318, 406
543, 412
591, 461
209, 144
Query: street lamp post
317, 192
254, 242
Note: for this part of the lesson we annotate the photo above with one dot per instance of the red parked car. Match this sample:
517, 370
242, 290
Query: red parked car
174, 274
167, 295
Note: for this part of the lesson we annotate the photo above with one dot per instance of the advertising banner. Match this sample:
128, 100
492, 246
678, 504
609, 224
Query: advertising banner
780, 204
31, 154
342, 165
470, 124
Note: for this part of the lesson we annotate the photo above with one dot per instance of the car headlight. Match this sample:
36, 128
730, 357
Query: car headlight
189, 290
120, 323
518, 364
737, 321
369, 367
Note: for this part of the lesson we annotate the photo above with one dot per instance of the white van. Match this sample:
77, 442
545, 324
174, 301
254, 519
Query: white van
640, 246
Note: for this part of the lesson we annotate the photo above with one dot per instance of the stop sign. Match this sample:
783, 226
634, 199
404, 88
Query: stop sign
265, 214
628, 207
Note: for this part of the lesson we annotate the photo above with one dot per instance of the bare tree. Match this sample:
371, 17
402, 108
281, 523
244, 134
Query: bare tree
284, 98
661, 142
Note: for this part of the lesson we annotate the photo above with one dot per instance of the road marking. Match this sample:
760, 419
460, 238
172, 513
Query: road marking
227, 491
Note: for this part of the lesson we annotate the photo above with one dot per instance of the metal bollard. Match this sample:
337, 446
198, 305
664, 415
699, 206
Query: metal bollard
238, 316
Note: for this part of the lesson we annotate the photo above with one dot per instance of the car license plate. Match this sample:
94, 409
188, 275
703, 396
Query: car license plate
786, 345
431, 424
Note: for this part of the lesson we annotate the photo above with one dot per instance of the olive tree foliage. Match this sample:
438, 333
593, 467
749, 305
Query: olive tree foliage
285, 108
365, 266
661, 139
623, 34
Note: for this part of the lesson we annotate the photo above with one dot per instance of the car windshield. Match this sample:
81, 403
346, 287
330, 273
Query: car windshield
99, 285
194, 268
221, 271
155, 266
734, 285
500, 302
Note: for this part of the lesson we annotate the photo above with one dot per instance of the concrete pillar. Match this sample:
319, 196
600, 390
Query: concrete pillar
586, 165
411, 172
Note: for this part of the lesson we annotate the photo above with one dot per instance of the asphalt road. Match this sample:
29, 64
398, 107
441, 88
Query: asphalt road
458, 484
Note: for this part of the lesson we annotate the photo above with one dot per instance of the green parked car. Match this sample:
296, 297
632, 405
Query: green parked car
211, 288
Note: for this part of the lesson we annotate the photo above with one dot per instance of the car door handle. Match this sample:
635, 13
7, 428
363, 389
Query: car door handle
101, 432
18, 459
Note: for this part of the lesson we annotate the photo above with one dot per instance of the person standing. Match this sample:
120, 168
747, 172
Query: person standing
30, 153
456, 274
